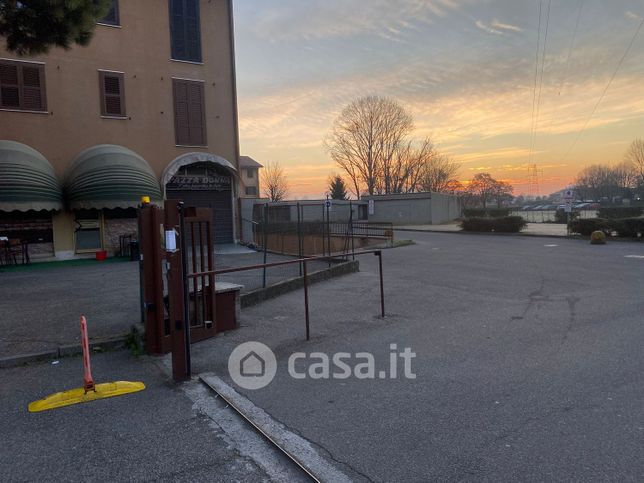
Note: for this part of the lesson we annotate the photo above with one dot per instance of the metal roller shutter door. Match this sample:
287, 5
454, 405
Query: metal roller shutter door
222, 209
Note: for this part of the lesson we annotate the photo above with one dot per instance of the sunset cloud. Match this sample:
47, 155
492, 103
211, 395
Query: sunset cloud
300, 63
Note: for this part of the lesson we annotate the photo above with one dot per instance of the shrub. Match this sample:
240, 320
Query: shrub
476, 224
628, 227
486, 212
598, 238
586, 226
506, 224
620, 212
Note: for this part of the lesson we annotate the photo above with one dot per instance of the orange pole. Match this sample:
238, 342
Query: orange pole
88, 382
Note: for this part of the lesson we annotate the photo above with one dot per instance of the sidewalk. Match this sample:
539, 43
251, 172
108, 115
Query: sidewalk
535, 229
156, 434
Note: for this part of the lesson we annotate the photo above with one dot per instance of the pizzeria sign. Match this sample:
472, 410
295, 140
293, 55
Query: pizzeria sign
199, 182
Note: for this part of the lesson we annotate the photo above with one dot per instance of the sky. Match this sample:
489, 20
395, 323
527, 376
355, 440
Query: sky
499, 85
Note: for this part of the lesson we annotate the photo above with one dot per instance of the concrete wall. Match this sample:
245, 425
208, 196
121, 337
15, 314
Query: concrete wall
445, 208
401, 209
414, 208
140, 48
246, 217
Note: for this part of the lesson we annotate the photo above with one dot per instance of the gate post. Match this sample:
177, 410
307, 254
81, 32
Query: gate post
179, 327
152, 306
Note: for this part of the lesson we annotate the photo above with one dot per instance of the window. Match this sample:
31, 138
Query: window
251, 190
189, 112
112, 17
88, 233
22, 86
250, 172
112, 94
185, 35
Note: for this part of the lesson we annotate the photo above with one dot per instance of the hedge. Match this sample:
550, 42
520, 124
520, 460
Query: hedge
486, 212
585, 226
629, 227
506, 224
620, 212
625, 227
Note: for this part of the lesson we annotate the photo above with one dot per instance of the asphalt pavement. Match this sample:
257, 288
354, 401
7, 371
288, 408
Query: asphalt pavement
165, 433
529, 363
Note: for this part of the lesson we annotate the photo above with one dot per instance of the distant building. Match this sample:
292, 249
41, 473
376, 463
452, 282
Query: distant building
249, 177
148, 108
413, 208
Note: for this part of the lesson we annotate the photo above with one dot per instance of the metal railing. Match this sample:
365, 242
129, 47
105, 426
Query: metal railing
305, 275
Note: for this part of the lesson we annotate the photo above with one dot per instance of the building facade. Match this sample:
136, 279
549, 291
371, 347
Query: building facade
147, 109
249, 177
413, 208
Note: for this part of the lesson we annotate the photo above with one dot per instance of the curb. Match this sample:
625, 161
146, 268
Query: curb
534, 235
257, 296
461, 232
295, 447
61, 351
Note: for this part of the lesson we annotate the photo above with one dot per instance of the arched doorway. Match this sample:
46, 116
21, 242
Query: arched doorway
204, 180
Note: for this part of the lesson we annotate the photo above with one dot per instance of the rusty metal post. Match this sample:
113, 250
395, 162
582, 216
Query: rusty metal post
176, 300
264, 243
306, 299
382, 288
184, 282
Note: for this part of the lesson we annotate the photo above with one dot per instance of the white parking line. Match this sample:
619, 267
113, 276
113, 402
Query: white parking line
551, 245
633, 256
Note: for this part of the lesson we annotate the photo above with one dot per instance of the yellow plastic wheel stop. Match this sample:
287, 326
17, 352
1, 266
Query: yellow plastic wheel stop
78, 395
90, 391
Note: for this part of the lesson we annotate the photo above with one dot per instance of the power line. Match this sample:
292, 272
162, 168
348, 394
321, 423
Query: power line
572, 43
601, 98
543, 62
534, 90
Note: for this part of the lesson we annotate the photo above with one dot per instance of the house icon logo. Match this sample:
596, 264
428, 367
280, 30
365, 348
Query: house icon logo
252, 365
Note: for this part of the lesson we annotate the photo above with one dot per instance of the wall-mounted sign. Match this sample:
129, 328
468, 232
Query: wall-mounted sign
191, 182
372, 207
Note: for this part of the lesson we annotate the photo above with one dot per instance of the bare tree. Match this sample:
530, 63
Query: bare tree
439, 174
484, 188
368, 141
274, 182
601, 181
635, 156
403, 175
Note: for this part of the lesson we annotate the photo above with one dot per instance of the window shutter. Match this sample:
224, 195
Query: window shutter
22, 86
112, 94
181, 112
197, 131
185, 33
33, 98
189, 113
9, 86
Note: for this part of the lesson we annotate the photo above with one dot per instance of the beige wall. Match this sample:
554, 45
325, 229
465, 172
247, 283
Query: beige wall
246, 181
141, 49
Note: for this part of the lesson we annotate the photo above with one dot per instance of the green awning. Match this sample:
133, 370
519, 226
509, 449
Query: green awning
110, 176
27, 180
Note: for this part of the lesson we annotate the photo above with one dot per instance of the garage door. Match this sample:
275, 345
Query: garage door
222, 209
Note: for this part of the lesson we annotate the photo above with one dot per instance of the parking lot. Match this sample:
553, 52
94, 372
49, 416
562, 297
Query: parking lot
41, 304
529, 362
